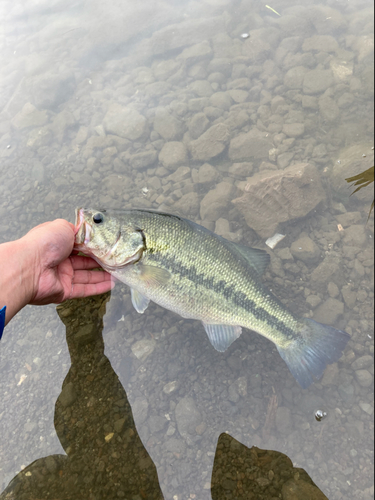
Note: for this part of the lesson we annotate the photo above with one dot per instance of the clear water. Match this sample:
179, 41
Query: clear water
64, 65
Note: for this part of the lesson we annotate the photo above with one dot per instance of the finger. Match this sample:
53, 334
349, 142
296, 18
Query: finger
91, 277
79, 262
86, 290
57, 224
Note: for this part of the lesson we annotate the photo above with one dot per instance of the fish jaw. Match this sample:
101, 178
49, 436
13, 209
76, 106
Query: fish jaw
82, 232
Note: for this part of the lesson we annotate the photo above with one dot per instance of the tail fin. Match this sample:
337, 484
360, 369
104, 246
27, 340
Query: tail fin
316, 347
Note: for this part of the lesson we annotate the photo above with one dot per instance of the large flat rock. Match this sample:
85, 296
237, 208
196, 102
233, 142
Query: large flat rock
272, 197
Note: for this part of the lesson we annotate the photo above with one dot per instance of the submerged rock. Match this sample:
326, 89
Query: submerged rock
187, 205
305, 249
296, 489
169, 127
68, 395
253, 145
207, 174
293, 79
355, 235
124, 122
257, 46
185, 33
215, 204
329, 312
198, 125
173, 154
328, 270
317, 81
51, 90
328, 109
293, 129
272, 197
144, 159
325, 43
196, 53
29, 116
364, 378
211, 143
143, 348
187, 416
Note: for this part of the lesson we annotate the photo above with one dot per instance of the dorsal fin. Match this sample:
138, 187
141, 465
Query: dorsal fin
256, 258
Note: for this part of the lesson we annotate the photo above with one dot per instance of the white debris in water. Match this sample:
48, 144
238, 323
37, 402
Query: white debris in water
274, 240
23, 377
170, 387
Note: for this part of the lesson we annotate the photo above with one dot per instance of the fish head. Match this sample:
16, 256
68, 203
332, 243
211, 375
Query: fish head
101, 235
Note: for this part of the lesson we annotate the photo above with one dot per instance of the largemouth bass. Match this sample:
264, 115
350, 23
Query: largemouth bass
199, 275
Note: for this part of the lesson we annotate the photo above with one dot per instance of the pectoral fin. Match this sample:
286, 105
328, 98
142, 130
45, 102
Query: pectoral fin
139, 301
222, 336
153, 276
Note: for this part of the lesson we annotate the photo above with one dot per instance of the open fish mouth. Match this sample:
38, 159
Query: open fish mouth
82, 230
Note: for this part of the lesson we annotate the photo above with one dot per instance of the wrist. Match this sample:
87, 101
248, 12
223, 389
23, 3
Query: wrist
28, 267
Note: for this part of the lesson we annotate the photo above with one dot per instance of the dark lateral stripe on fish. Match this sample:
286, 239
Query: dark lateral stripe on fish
238, 298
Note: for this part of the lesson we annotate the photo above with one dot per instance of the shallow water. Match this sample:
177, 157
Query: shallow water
108, 106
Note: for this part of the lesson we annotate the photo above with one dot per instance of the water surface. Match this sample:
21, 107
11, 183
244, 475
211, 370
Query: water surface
106, 105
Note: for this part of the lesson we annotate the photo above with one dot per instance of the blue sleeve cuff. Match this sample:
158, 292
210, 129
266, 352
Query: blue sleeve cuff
2, 320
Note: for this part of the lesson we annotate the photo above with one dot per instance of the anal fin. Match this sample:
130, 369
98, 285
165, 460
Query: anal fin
222, 336
139, 301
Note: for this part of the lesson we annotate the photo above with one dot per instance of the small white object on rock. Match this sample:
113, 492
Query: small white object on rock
22, 379
244, 36
274, 240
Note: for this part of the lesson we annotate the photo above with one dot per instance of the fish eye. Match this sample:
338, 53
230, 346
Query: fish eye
98, 218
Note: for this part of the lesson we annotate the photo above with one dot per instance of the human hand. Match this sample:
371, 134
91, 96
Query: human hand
59, 275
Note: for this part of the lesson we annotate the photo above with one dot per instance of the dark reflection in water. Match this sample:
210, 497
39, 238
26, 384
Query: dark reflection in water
105, 457
243, 473
94, 422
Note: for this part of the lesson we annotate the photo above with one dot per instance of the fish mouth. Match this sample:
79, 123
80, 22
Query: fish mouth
82, 230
